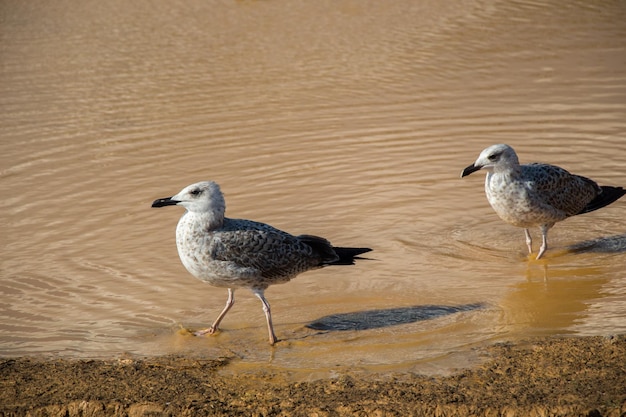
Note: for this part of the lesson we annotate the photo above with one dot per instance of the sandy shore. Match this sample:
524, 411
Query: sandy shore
543, 377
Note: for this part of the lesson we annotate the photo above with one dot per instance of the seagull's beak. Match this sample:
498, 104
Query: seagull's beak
470, 169
162, 202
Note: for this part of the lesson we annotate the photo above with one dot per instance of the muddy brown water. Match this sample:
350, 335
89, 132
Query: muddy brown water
346, 119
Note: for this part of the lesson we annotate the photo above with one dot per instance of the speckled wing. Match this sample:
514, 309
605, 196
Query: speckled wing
555, 186
275, 254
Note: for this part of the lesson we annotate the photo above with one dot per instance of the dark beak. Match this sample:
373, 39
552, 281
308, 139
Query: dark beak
162, 202
470, 169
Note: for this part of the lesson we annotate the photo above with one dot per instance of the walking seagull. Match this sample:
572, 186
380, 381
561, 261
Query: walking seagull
237, 253
537, 194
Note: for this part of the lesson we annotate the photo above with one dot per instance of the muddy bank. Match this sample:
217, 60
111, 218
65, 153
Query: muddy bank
547, 377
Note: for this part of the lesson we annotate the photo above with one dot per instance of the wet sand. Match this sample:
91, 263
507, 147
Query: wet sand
541, 377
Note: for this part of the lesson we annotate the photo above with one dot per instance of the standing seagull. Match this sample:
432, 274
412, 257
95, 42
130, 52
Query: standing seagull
235, 253
537, 194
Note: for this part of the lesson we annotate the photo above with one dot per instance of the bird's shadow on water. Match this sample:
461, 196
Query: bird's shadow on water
609, 244
374, 319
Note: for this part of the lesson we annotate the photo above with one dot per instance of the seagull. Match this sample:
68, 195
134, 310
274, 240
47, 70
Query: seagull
537, 194
238, 253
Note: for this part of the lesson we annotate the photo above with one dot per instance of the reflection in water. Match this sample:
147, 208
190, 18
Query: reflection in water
372, 319
554, 300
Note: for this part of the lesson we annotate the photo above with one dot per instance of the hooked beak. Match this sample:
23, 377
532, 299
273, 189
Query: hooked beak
162, 202
470, 169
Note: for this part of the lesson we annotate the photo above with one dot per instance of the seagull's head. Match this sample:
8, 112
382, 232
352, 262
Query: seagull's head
493, 158
201, 197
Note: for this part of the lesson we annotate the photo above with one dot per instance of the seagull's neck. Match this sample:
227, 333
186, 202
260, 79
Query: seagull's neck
508, 170
207, 220
498, 177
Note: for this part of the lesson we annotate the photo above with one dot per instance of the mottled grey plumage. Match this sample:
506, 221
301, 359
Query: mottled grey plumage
537, 194
235, 253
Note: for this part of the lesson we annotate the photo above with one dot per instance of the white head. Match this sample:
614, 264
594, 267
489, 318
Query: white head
201, 197
499, 157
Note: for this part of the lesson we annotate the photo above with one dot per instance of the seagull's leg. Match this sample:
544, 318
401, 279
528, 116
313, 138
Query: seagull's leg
529, 241
268, 313
214, 327
544, 236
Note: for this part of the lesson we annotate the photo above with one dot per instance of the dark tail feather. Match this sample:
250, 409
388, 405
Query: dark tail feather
331, 255
607, 196
348, 255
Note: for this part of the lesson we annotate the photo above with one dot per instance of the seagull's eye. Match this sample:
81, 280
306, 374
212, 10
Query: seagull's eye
197, 191
493, 157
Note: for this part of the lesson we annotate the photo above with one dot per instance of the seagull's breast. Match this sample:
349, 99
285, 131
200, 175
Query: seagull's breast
195, 240
515, 201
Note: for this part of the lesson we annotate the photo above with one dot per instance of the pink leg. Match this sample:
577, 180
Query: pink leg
214, 327
529, 241
544, 244
268, 314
